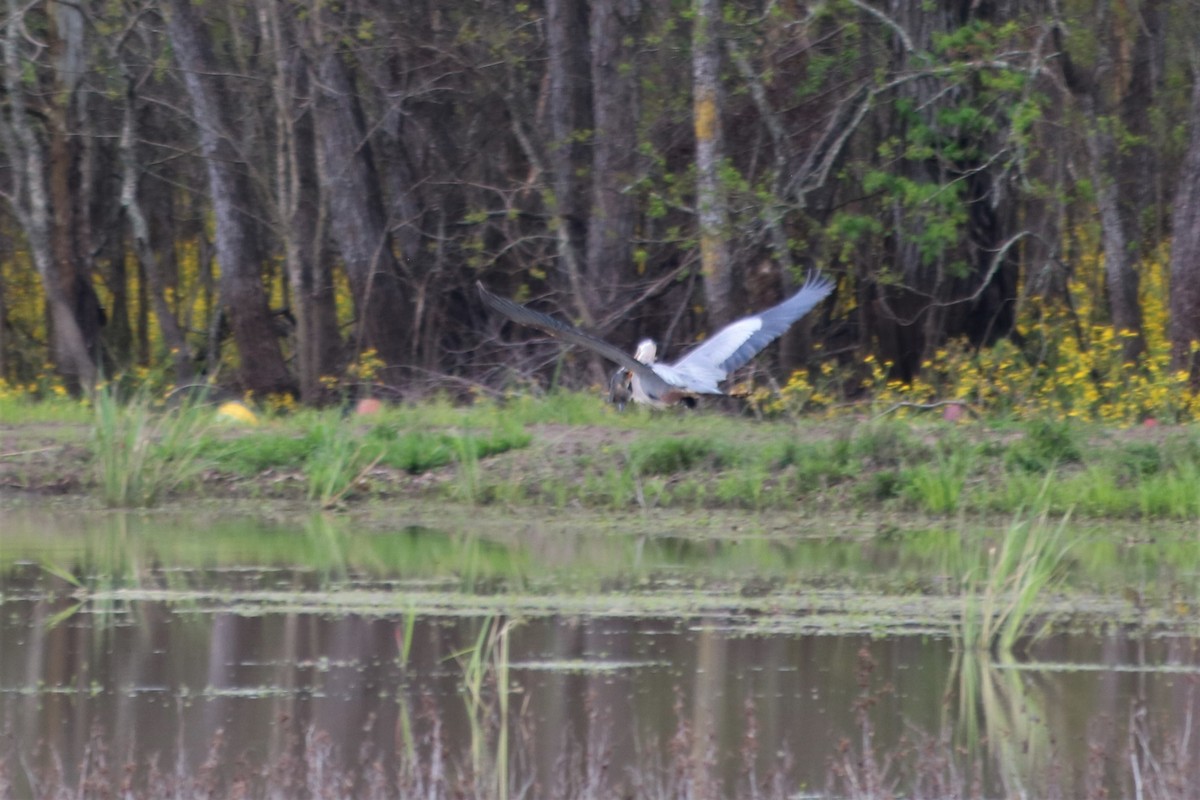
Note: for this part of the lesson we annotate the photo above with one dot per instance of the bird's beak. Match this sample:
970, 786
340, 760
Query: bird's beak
619, 388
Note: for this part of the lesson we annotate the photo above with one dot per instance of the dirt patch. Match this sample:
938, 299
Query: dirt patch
44, 458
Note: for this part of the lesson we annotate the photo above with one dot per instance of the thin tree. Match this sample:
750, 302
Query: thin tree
613, 29
152, 270
238, 236
712, 210
41, 193
1185, 253
569, 104
1104, 159
296, 207
356, 205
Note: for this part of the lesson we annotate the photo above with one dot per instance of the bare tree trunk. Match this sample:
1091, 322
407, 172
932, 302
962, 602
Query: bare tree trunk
262, 368
69, 296
1143, 202
1185, 255
173, 338
711, 206
297, 204
613, 26
3, 334
72, 263
1104, 163
142, 348
1120, 277
357, 214
569, 103
118, 350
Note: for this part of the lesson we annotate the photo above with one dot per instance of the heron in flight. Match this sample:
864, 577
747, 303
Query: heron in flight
646, 380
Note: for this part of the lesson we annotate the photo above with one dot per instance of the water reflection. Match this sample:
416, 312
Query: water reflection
490, 550
707, 689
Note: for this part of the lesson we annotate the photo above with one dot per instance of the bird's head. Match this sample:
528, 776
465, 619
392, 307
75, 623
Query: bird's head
646, 351
620, 388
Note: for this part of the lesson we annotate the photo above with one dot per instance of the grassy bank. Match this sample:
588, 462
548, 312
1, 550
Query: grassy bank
570, 451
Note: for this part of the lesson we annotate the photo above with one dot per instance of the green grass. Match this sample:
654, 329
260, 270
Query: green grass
253, 452
485, 694
142, 453
1110, 483
19, 409
414, 451
1046, 445
334, 453
1008, 580
693, 460
668, 455
1173, 493
752, 487
700, 460
336, 461
939, 487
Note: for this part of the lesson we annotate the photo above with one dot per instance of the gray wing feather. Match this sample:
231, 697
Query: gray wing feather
561, 330
737, 343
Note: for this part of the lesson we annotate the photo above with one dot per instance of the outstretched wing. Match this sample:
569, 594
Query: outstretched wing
737, 343
561, 330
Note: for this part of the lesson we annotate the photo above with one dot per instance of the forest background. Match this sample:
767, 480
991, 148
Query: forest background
293, 200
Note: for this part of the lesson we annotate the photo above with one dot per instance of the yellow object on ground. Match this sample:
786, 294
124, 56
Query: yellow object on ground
236, 412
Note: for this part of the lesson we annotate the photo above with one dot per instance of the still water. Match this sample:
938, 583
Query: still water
553, 662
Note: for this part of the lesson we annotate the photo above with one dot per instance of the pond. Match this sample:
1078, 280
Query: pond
218, 652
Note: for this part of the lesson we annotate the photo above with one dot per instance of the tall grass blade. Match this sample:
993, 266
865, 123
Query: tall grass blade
337, 463
1001, 606
142, 454
485, 669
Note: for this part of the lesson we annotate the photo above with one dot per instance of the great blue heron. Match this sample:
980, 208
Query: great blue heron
646, 380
